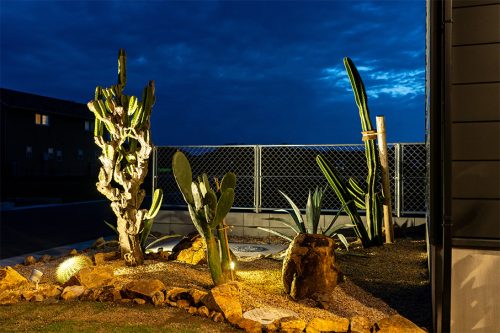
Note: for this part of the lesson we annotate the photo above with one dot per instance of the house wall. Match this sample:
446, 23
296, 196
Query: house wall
475, 166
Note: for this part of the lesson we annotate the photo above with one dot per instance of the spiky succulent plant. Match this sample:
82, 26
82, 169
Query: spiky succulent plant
71, 266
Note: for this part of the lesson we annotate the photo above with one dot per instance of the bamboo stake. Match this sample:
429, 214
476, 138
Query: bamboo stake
386, 188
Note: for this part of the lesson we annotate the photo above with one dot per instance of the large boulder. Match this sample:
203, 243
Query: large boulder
225, 298
10, 279
191, 250
309, 269
92, 277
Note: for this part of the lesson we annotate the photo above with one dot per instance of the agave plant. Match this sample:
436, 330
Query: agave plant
310, 224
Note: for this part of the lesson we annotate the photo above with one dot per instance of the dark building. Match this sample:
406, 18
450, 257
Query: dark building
47, 149
463, 44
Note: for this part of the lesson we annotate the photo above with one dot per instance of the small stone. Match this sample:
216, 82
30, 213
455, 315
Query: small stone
72, 292
37, 298
183, 304
91, 294
171, 303
49, 290
192, 310
125, 300
27, 294
9, 297
203, 311
101, 258
139, 301
73, 252
191, 250
10, 279
360, 325
397, 324
45, 258
217, 317
248, 325
293, 325
29, 260
328, 325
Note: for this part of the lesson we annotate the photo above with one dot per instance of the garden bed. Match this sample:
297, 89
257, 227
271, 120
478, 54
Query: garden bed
379, 282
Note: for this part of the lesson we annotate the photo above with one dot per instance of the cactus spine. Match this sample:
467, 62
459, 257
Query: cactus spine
122, 131
368, 200
207, 210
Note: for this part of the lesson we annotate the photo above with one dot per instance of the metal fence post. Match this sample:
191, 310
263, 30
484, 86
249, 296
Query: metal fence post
257, 200
154, 169
398, 178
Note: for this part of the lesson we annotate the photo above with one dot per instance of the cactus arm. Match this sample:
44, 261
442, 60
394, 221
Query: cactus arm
223, 206
309, 215
183, 176
213, 256
228, 181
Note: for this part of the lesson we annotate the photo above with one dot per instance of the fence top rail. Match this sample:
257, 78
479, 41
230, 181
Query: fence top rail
285, 145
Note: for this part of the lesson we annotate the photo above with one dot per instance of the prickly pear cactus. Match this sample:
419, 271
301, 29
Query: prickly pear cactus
207, 209
122, 131
70, 267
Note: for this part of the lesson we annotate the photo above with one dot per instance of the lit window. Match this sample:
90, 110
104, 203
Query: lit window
59, 155
29, 152
41, 119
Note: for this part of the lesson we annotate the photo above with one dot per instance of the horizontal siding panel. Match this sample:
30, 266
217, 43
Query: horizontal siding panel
469, 3
476, 63
476, 218
476, 102
475, 141
474, 25
476, 180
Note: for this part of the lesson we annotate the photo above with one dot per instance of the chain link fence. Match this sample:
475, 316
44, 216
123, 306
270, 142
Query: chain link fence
262, 170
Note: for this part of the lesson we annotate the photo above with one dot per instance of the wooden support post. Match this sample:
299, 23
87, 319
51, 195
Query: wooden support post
386, 187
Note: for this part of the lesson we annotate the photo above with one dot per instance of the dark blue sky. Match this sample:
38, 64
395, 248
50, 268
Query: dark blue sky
229, 72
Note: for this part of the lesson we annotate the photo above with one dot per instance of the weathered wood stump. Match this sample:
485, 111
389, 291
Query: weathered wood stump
309, 269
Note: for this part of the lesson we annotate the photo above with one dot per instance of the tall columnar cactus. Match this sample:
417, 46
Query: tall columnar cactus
207, 211
369, 200
122, 131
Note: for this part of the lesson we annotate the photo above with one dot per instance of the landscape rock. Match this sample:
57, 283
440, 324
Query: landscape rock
292, 325
139, 301
309, 269
191, 249
149, 289
248, 325
29, 260
397, 324
49, 290
92, 277
73, 252
217, 317
10, 279
100, 258
72, 292
37, 298
225, 298
45, 258
9, 297
203, 311
192, 310
360, 325
197, 295
183, 304
178, 293
328, 325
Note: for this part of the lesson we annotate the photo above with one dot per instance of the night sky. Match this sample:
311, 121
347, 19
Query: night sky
229, 72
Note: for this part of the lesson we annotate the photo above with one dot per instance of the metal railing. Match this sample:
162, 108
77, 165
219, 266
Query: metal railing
262, 170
